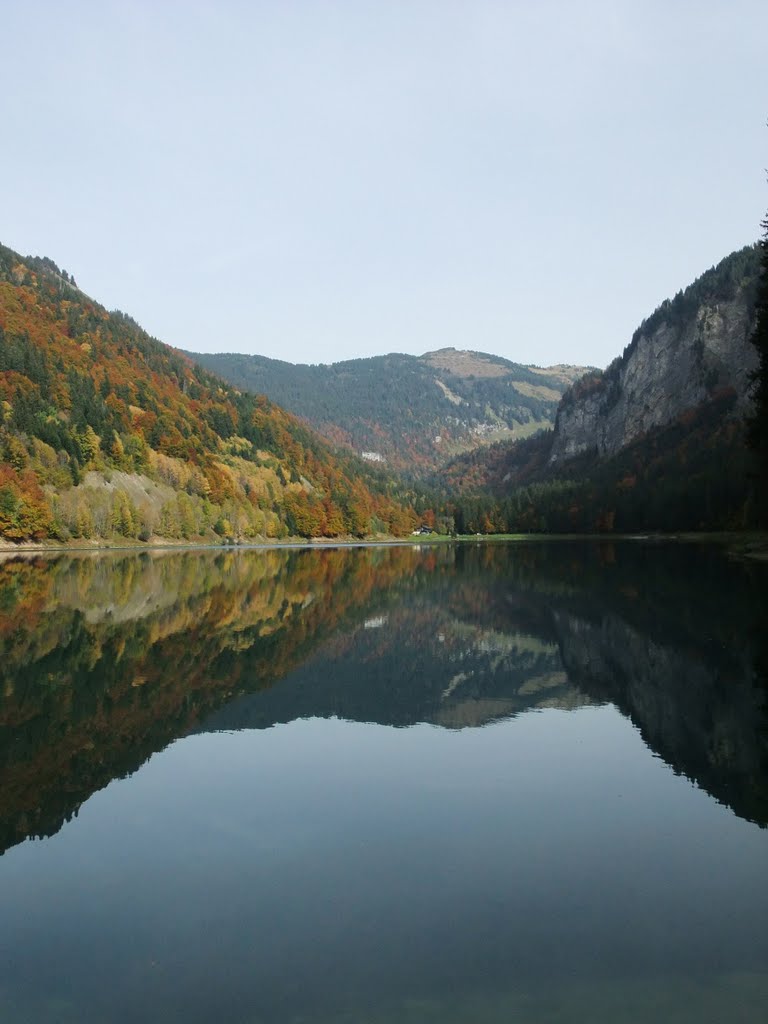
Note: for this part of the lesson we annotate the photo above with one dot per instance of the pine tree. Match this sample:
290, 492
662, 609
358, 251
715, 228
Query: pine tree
758, 426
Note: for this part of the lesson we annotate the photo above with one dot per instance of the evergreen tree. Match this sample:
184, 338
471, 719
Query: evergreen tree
758, 427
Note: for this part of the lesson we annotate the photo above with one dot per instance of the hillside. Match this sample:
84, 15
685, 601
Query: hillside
106, 432
691, 349
656, 441
412, 413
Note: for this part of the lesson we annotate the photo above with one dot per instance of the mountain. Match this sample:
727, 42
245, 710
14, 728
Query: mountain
106, 432
412, 413
656, 441
692, 349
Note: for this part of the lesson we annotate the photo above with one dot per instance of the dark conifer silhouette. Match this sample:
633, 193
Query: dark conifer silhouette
758, 427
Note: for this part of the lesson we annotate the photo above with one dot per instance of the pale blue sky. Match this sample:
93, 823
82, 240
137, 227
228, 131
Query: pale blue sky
317, 181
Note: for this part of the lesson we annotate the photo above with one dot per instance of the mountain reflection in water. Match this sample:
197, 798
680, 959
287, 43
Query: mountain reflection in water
106, 659
413, 786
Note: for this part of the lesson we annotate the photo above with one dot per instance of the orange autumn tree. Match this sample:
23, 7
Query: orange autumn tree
24, 512
85, 393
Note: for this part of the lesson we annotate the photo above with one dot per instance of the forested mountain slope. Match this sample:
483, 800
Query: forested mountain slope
412, 412
656, 441
104, 431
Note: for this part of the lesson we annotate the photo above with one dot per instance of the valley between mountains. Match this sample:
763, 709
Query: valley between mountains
410, 413
107, 435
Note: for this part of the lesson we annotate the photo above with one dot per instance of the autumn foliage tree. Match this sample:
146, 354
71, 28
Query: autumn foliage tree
24, 512
86, 391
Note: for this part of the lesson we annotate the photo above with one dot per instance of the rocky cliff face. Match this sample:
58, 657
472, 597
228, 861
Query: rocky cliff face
690, 349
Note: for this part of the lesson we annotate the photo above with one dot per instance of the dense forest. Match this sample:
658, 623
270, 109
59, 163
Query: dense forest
696, 472
758, 424
413, 412
106, 432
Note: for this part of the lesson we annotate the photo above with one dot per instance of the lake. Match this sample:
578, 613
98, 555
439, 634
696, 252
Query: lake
477, 782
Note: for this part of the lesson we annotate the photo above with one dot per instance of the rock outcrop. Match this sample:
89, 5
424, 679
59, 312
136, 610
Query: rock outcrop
691, 349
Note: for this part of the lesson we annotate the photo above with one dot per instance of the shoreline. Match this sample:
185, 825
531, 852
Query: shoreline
751, 544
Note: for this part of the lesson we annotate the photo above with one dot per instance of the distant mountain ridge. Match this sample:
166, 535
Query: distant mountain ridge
411, 412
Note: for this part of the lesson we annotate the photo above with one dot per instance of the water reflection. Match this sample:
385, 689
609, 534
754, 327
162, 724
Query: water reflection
413, 786
107, 659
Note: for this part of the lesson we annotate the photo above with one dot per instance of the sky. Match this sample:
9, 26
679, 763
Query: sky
317, 181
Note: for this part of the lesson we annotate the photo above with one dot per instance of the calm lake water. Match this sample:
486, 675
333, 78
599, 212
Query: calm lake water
492, 783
